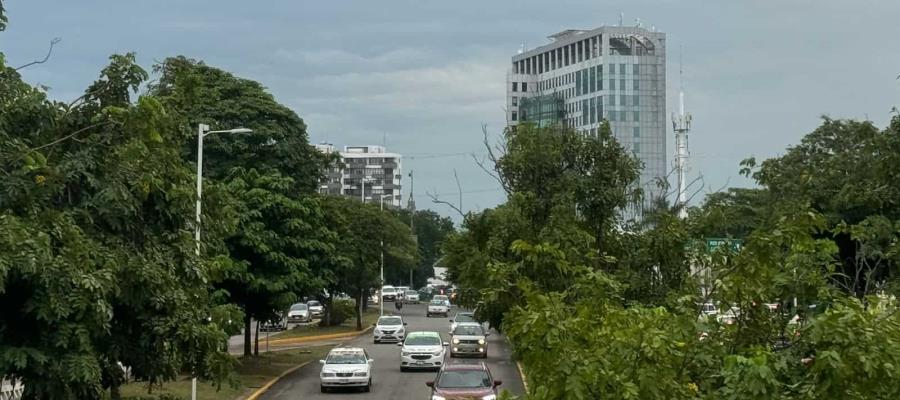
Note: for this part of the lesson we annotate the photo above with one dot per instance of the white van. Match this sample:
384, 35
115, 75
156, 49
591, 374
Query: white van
388, 293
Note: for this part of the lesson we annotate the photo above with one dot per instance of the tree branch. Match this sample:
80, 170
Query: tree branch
434, 199
47, 57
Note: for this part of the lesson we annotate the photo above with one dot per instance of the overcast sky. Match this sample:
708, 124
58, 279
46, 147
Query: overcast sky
425, 75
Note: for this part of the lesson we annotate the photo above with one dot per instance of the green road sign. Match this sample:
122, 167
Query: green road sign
714, 243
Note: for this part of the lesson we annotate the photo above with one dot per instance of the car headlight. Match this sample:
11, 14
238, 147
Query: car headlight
405, 353
377, 330
489, 397
456, 341
361, 373
439, 352
328, 374
480, 341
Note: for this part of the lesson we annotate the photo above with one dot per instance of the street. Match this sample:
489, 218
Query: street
388, 382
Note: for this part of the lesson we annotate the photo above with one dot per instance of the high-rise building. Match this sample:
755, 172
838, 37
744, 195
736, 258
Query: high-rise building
583, 77
368, 173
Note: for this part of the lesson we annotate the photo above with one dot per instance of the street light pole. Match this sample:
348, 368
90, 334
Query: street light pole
381, 199
202, 131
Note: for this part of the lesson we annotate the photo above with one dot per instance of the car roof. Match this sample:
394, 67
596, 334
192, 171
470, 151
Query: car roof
347, 350
423, 334
464, 366
468, 324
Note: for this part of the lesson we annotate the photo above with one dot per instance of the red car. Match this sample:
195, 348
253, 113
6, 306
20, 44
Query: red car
464, 381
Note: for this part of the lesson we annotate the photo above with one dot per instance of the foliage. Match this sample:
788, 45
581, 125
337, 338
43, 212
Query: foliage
615, 313
431, 229
97, 263
341, 311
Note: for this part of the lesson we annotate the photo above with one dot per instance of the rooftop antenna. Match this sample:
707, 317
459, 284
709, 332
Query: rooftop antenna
681, 124
621, 18
522, 48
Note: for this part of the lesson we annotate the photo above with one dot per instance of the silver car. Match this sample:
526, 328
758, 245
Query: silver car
389, 329
469, 339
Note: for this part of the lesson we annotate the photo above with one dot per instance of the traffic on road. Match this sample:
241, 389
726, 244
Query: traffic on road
409, 355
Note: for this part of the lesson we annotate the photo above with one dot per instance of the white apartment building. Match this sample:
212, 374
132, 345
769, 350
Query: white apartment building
369, 173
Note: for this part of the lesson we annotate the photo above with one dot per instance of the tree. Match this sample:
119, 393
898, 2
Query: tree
430, 229
361, 230
278, 239
97, 263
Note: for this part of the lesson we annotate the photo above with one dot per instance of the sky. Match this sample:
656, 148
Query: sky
422, 77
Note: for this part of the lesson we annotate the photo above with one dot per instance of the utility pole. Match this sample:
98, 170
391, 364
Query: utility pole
411, 206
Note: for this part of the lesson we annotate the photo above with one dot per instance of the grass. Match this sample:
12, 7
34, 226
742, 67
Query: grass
368, 318
252, 373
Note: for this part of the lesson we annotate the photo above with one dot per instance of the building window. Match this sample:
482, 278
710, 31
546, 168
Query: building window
621, 69
612, 69
623, 100
612, 99
612, 84
637, 132
637, 116
635, 84
515, 86
636, 69
524, 86
515, 101
622, 116
622, 84
515, 116
637, 147
634, 100
612, 116
577, 83
593, 80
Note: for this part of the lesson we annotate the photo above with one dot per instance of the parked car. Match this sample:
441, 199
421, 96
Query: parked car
388, 293
411, 296
461, 317
709, 309
436, 307
346, 367
299, 313
464, 381
422, 350
389, 329
315, 308
401, 291
469, 339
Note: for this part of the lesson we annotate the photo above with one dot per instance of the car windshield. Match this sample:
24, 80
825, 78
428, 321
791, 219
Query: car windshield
409, 292
388, 290
298, 307
437, 302
346, 358
468, 330
464, 318
422, 340
440, 297
464, 379
390, 321
313, 304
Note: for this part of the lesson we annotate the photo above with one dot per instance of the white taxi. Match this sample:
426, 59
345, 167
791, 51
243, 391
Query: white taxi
422, 350
436, 307
346, 367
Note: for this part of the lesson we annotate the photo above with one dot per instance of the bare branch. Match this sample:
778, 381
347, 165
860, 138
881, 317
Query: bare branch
434, 199
69, 136
727, 181
458, 187
492, 156
47, 57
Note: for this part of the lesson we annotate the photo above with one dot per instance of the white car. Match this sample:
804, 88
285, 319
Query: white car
422, 350
436, 307
462, 317
299, 313
346, 367
389, 328
388, 294
443, 298
315, 308
411, 296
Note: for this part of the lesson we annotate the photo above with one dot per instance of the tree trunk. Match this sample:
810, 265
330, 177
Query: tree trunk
359, 302
247, 334
114, 393
256, 341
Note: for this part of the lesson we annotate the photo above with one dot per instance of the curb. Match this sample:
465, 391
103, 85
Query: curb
522, 375
265, 388
304, 339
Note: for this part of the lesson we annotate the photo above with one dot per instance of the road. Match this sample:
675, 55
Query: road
388, 382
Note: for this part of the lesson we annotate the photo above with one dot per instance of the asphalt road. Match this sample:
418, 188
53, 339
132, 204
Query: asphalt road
388, 382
